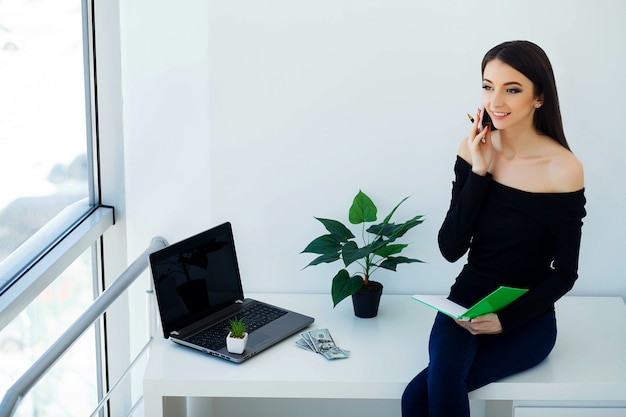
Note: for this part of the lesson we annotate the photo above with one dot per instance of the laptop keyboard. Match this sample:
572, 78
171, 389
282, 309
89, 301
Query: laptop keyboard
255, 314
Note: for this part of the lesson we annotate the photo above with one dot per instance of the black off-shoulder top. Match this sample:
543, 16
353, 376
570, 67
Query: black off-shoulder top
515, 238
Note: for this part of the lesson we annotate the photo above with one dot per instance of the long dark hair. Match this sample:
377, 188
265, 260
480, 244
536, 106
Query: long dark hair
532, 61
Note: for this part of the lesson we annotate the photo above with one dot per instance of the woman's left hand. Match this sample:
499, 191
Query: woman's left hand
480, 146
486, 324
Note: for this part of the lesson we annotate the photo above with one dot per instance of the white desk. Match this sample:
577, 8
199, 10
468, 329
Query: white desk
588, 363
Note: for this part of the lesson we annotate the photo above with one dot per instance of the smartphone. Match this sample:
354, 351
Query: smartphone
485, 120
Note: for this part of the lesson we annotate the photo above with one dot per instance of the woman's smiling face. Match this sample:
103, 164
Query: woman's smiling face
508, 96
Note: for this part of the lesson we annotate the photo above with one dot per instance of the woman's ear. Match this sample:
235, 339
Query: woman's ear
539, 101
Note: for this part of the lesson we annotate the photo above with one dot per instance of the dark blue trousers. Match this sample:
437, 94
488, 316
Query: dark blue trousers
460, 363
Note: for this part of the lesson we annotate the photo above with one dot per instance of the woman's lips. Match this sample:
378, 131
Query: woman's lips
499, 115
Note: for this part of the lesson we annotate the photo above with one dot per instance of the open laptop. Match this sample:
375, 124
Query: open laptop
198, 289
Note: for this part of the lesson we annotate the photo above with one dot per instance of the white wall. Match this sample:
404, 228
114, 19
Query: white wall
267, 113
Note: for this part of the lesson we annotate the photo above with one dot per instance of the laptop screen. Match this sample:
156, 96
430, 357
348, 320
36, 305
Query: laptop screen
196, 277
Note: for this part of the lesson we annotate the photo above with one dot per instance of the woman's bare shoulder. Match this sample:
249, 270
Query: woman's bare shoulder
566, 172
464, 151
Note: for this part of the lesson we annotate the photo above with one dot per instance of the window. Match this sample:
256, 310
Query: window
44, 154
70, 388
51, 219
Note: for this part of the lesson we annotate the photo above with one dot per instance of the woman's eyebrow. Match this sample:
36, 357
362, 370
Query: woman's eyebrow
507, 83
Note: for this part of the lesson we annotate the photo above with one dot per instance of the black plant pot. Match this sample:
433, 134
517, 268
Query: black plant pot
367, 299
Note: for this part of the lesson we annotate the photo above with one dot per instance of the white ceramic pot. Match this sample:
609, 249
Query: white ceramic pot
236, 345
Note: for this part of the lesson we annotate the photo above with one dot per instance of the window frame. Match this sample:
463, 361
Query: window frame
31, 278
104, 118
104, 109
28, 270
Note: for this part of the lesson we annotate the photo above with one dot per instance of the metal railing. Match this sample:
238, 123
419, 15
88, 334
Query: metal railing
25, 383
41, 259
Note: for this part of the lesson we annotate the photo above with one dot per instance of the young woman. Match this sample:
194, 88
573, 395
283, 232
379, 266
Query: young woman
517, 206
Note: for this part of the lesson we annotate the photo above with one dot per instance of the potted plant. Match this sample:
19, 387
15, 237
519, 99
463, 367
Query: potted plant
237, 336
379, 250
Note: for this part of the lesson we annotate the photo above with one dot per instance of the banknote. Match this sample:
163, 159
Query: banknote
304, 345
320, 341
336, 353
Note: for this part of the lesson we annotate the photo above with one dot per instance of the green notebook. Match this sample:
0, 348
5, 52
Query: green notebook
495, 301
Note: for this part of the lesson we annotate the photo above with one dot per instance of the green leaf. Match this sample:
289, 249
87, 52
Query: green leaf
324, 259
325, 245
381, 229
389, 250
392, 262
384, 228
351, 252
344, 285
237, 327
388, 218
401, 229
379, 243
362, 209
337, 229
394, 231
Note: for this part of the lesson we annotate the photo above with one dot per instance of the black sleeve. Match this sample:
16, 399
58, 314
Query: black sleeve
468, 191
564, 220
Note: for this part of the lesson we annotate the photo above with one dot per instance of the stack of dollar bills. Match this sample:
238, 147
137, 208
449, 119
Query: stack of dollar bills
320, 341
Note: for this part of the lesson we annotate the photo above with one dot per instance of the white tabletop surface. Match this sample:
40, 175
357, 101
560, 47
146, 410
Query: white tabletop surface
588, 362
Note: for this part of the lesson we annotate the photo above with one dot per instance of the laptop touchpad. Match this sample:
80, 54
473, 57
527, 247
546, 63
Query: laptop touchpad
256, 338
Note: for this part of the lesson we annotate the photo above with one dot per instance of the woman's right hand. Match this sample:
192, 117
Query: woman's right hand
480, 146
